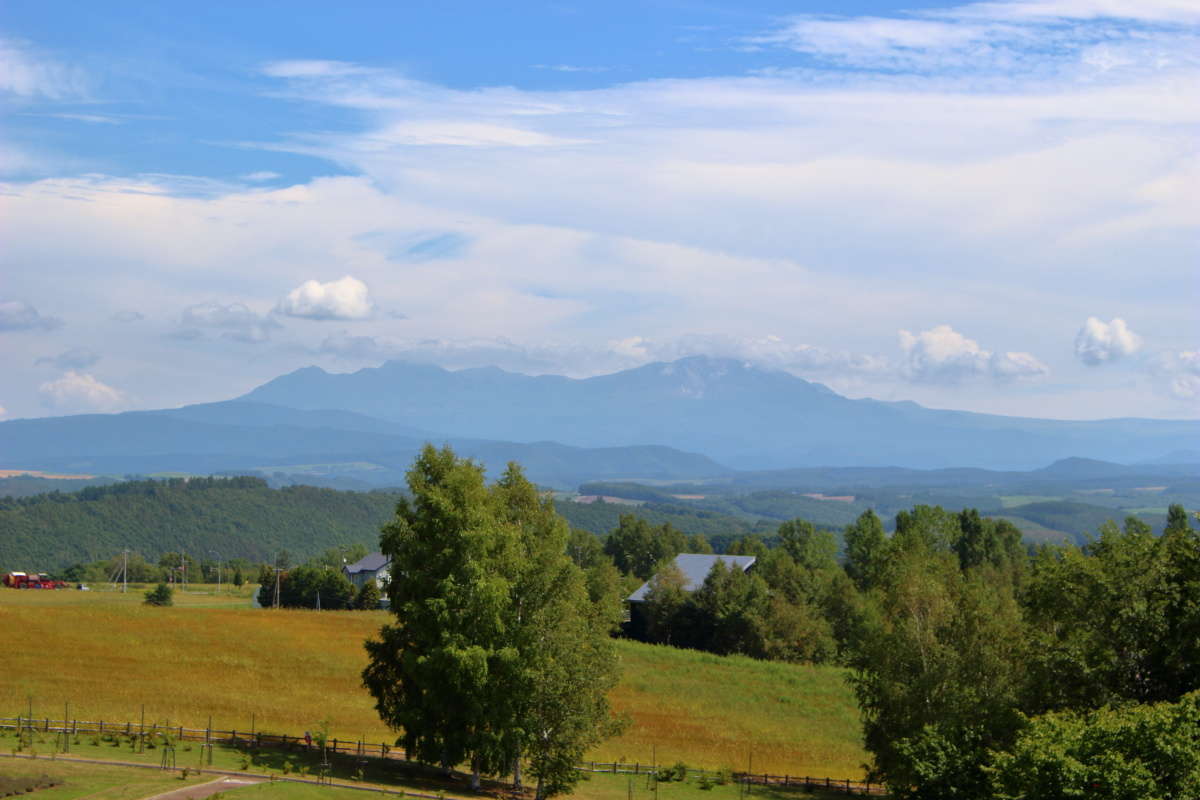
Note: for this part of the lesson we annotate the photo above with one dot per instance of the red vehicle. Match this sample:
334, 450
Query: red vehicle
32, 580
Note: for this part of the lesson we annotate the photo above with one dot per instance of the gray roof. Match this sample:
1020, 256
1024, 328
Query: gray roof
369, 563
695, 568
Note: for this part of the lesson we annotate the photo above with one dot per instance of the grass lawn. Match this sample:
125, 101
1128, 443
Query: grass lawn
93, 781
285, 671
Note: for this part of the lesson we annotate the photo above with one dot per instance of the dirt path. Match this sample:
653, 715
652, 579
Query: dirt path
203, 790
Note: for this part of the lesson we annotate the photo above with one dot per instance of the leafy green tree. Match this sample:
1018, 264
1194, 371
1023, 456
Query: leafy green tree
607, 592
638, 548
662, 609
239, 579
1177, 520
809, 548
496, 651
866, 549
585, 549
337, 557
751, 545
567, 661
1116, 621
796, 632
938, 676
1147, 752
308, 586
266, 586
930, 529
160, 595
730, 610
368, 597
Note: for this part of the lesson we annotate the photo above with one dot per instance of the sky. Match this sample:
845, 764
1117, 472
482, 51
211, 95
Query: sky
988, 206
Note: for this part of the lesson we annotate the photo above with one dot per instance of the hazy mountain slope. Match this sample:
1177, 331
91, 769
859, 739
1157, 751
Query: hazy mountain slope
242, 436
740, 415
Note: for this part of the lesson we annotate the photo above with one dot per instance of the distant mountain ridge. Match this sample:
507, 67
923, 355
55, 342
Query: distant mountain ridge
738, 414
310, 446
693, 419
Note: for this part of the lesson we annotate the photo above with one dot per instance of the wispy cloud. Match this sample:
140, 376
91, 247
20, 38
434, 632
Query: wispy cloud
75, 358
17, 315
28, 75
571, 68
236, 321
1085, 38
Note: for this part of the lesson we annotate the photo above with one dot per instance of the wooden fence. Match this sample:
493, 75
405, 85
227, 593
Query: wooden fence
361, 749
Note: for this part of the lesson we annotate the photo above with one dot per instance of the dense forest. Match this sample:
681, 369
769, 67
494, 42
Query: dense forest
982, 668
236, 517
243, 518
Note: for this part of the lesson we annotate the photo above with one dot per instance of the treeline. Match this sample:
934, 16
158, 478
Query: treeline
300, 585
237, 517
982, 668
1072, 672
318, 585
599, 518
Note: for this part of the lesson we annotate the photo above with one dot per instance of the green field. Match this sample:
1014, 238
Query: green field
281, 671
100, 781
91, 781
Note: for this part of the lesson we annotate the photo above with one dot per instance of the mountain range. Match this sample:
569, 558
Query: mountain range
696, 418
740, 415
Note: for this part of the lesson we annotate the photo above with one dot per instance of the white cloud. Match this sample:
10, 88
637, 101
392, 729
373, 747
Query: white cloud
347, 298
314, 69
80, 391
1100, 342
27, 75
16, 315
3, 412
237, 321
75, 358
769, 351
942, 354
1088, 37
260, 176
1178, 373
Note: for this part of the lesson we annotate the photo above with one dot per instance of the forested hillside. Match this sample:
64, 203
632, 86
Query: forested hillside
235, 517
243, 517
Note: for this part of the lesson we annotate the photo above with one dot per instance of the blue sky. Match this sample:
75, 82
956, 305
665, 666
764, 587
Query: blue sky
987, 206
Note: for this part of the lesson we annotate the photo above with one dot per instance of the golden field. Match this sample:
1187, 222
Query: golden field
284, 671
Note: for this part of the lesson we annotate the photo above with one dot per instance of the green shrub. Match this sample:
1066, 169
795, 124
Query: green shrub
160, 595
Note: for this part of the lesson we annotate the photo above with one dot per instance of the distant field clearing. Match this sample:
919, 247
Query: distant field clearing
13, 473
107, 654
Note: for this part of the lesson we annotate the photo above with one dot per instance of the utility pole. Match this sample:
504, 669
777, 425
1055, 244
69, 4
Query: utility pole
277, 571
214, 552
125, 572
182, 571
